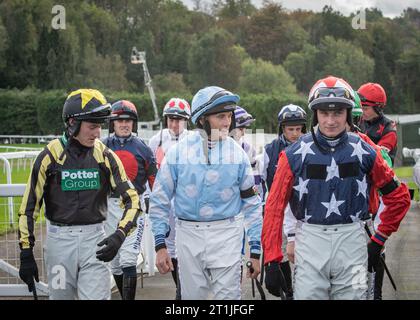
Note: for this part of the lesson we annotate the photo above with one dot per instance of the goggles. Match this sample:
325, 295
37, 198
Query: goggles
332, 92
292, 115
363, 99
99, 114
244, 121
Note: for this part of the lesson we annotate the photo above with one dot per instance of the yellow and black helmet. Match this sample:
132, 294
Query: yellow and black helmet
86, 105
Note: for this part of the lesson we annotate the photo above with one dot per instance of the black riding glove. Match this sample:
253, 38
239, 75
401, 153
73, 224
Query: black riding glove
146, 203
274, 279
28, 269
112, 245
374, 254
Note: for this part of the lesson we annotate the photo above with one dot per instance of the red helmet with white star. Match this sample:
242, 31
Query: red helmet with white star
331, 93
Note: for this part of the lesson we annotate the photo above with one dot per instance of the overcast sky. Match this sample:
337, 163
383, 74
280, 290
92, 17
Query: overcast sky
389, 8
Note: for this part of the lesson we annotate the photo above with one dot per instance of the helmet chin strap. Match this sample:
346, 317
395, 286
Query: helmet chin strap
207, 127
378, 110
72, 130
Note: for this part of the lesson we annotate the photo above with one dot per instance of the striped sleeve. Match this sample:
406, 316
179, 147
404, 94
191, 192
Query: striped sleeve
32, 200
122, 186
160, 200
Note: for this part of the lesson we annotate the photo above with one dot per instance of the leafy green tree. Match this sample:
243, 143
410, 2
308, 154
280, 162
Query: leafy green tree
175, 36
328, 22
407, 85
342, 59
271, 35
207, 45
303, 66
265, 107
231, 9
333, 57
263, 77
336, 24
20, 70
213, 60
241, 52
57, 58
313, 24
3, 45
103, 27
171, 82
107, 72
234, 17
44, 78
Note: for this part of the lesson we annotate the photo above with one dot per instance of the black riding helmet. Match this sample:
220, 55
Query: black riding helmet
84, 105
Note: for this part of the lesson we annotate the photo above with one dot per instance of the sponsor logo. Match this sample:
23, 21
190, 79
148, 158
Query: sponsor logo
80, 179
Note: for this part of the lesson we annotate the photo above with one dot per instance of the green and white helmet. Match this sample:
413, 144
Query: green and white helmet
357, 109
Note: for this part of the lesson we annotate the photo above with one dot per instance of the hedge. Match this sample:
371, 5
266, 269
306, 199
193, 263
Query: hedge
32, 111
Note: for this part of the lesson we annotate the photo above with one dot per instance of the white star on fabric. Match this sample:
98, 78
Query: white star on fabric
332, 170
362, 187
305, 148
307, 216
358, 150
301, 187
332, 206
356, 217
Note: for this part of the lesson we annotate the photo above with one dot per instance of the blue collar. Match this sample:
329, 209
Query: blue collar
330, 143
284, 140
123, 140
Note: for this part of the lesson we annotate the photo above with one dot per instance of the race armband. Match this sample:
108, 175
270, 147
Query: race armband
389, 187
248, 193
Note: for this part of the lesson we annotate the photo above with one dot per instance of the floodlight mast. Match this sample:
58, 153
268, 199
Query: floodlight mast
139, 57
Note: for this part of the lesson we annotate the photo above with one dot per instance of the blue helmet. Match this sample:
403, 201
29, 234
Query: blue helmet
212, 100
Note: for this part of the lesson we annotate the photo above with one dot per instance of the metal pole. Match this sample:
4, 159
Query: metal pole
9, 181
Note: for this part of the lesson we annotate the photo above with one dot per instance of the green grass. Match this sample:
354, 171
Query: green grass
18, 176
21, 175
4, 225
21, 145
404, 172
406, 175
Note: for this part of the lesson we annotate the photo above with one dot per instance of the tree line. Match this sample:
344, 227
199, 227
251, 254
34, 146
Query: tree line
253, 51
